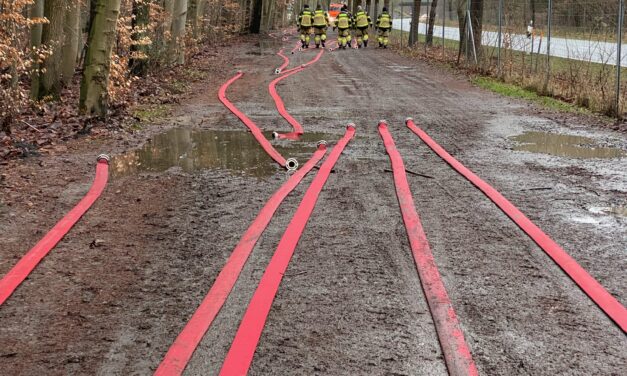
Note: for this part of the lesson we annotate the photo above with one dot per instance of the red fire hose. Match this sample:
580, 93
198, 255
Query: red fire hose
280, 105
185, 344
25, 266
286, 61
265, 144
240, 355
456, 352
612, 307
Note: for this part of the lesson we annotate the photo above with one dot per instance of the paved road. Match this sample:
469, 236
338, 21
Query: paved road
598, 52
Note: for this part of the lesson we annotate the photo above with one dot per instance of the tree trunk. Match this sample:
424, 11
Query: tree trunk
52, 36
267, 15
476, 19
461, 16
139, 50
177, 43
386, 3
71, 30
415, 19
376, 10
432, 14
102, 35
255, 24
37, 11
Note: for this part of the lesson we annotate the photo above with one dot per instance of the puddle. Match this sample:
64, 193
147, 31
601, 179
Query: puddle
562, 145
619, 211
194, 150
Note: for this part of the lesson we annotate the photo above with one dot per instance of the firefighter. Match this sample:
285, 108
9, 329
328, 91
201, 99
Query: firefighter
344, 23
362, 23
384, 24
305, 21
320, 24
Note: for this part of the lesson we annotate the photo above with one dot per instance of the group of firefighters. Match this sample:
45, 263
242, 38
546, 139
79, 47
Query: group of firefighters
317, 22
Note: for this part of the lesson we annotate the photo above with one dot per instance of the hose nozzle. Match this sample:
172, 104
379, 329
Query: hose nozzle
321, 143
291, 164
275, 135
409, 119
351, 125
103, 158
277, 71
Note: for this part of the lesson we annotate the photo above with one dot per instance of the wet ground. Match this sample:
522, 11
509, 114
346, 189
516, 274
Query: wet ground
183, 192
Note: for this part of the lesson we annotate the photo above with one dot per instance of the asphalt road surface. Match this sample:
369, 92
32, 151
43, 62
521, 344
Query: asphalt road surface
576, 49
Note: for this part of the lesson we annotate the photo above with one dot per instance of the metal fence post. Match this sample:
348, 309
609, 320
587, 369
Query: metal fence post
500, 37
619, 45
549, 23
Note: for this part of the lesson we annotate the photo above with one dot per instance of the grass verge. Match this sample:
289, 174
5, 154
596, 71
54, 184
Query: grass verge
514, 91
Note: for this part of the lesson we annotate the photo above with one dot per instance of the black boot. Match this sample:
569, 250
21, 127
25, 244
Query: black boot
323, 46
365, 43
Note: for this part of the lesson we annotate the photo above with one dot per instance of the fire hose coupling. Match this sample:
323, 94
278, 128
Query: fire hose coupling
303, 65
321, 143
351, 125
277, 71
240, 72
409, 119
275, 135
291, 164
103, 158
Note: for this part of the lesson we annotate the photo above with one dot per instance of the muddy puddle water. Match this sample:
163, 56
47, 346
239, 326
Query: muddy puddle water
562, 145
194, 150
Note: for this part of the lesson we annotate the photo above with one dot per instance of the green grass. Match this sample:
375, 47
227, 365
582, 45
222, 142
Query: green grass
518, 92
150, 113
585, 83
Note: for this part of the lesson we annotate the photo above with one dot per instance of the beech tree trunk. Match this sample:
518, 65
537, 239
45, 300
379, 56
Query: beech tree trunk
37, 11
52, 36
102, 35
71, 29
177, 43
432, 14
415, 19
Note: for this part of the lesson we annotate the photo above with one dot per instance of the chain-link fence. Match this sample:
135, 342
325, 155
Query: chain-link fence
570, 49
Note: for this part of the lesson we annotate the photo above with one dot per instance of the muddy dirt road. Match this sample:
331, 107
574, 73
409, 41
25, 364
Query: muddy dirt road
351, 302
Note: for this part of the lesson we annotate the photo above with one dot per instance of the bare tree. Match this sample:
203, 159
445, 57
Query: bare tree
432, 15
94, 94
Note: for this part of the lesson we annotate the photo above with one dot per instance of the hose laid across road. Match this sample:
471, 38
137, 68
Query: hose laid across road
240, 355
25, 266
456, 352
612, 307
182, 349
265, 144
